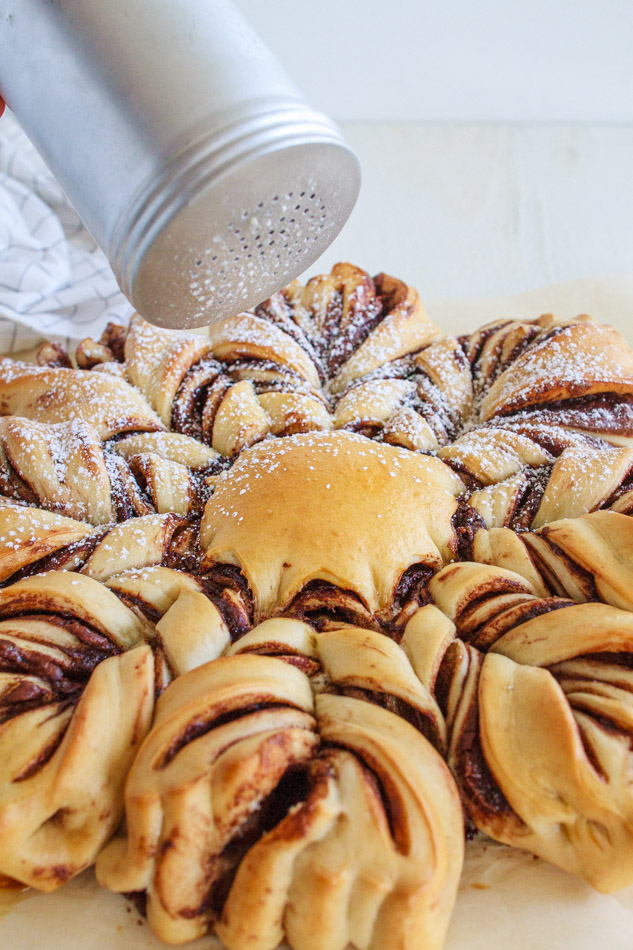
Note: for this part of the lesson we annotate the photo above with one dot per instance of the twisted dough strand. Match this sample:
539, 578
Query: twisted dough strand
308, 810
561, 791
76, 700
585, 558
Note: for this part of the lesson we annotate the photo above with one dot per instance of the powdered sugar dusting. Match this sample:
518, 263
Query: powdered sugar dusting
567, 362
279, 371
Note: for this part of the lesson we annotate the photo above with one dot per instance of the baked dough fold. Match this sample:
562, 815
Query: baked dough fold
262, 811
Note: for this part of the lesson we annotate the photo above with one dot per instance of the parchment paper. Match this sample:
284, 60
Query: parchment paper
507, 899
607, 299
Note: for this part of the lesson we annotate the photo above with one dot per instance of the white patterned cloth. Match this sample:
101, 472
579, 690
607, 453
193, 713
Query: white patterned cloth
54, 280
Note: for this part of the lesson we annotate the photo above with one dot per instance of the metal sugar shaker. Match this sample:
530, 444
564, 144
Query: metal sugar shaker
192, 158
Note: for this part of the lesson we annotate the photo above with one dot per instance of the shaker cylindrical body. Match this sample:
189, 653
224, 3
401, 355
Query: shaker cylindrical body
177, 137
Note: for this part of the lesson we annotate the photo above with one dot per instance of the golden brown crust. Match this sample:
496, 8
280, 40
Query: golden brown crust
333, 507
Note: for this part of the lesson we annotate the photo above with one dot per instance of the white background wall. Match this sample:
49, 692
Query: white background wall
482, 210
495, 136
456, 60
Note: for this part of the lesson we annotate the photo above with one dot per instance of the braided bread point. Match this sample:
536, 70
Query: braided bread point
370, 408
170, 486
569, 362
30, 536
561, 791
348, 330
35, 541
359, 663
60, 467
491, 454
494, 346
553, 422
170, 446
190, 628
585, 558
404, 328
260, 812
65, 467
170, 471
52, 394
331, 509
157, 360
485, 602
218, 388
502, 547
249, 336
581, 480
420, 402
142, 542
353, 324
76, 700
133, 558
